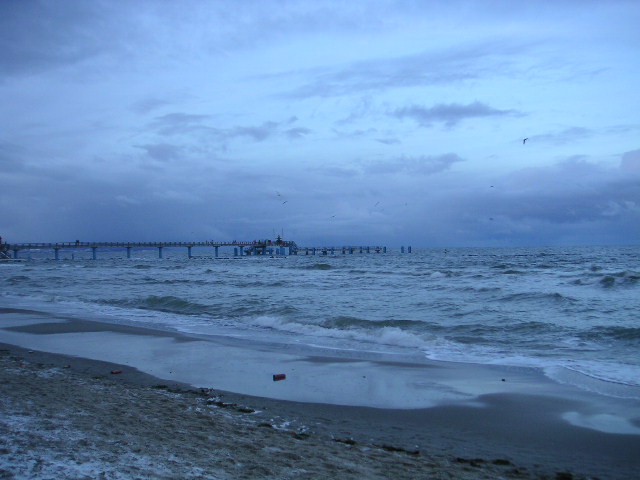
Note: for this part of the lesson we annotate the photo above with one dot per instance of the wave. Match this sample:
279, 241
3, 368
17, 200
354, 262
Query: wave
168, 304
18, 279
624, 279
347, 322
616, 333
607, 281
610, 379
554, 297
317, 266
176, 281
387, 335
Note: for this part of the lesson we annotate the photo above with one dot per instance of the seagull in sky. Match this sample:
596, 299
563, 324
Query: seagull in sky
524, 140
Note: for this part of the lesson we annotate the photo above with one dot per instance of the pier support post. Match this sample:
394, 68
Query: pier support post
409, 249
401, 249
216, 249
159, 252
93, 252
57, 253
189, 251
384, 249
15, 254
128, 252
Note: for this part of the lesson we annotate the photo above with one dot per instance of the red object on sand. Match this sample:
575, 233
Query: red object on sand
279, 376
115, 372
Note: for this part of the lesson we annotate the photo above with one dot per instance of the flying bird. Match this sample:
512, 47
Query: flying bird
524, 140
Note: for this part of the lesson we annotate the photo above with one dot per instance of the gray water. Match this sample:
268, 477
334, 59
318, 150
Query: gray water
574, 313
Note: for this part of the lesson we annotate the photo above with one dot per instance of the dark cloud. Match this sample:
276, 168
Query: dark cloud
38, 35
449, 114
572, 193
162, 151
299, 132
257, 133
181, 123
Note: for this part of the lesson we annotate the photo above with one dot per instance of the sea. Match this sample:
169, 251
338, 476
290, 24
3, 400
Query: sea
571, 312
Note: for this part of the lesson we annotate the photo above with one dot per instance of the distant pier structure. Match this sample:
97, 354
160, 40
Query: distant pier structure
278, 247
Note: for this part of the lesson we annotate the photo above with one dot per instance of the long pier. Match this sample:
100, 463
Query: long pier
241, 248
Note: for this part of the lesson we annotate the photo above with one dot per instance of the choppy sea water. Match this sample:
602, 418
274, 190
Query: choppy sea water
574, 313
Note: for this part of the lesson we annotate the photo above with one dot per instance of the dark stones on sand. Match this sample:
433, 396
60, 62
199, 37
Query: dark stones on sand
391, 448
474, 462
346, 441
231, 406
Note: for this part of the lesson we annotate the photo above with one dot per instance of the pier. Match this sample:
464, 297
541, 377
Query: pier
278, 247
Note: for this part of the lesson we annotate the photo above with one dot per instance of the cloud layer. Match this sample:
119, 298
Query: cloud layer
389, 123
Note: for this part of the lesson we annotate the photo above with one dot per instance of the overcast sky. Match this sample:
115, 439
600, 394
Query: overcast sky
361, 122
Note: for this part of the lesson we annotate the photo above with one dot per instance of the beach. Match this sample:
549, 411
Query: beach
68, 416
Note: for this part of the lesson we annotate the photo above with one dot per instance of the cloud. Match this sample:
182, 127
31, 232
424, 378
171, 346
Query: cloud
630, 161
161, 151
196, 124
422, 165
177, 123
570, 192
295, 133
439, 66
12, 157
148, 104
568, 135
388, 141
449, 114
36, 36
257, 133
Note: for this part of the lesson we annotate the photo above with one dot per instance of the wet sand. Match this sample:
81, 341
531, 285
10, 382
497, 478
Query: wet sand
65, 416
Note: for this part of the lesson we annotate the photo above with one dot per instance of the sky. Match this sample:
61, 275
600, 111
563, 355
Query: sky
379, 122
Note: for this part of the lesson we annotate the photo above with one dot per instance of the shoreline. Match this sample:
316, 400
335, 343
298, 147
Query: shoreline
523, 432
202, 434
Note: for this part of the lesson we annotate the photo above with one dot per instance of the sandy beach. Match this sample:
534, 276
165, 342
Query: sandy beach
66, 416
